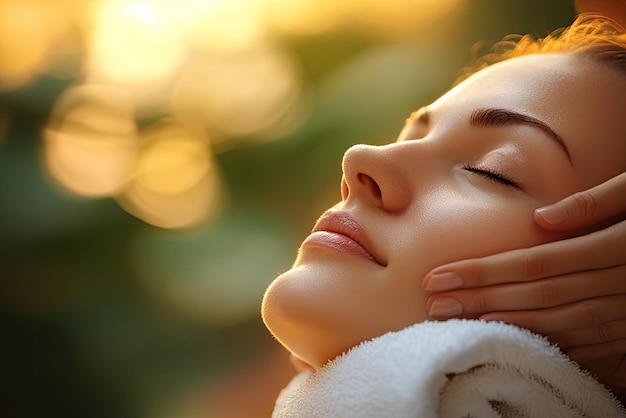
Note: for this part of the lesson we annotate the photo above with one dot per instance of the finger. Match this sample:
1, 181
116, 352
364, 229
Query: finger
538, 294
579, 315
585, 208
597, 250
603, 333
597, 351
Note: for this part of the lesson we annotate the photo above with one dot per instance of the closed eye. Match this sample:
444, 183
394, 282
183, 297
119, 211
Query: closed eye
492, 175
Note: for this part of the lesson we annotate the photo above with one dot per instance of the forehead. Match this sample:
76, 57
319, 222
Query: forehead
553, 85
581, 99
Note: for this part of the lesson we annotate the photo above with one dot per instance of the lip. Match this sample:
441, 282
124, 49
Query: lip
340, 231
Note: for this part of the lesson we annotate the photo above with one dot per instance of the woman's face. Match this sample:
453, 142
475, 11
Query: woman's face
462, 181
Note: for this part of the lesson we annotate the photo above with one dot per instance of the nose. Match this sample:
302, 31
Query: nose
374, 174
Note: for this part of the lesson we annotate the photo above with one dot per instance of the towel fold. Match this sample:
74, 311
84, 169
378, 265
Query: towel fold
451, 369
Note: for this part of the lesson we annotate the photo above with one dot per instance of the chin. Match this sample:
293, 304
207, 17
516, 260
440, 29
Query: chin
287, 324
313, 310
304, 326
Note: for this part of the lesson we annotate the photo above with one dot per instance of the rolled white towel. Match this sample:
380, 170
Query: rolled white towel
451, 369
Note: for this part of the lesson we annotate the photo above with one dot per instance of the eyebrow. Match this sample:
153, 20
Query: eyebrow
501, 117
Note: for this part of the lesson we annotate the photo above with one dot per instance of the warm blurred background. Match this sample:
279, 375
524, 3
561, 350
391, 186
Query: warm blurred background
161, 160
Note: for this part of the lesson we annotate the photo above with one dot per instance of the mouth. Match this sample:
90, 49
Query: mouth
340, 231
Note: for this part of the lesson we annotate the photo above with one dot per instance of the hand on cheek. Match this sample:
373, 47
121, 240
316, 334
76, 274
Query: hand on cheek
573, 291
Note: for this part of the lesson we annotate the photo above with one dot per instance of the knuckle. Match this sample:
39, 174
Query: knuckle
605, 333
535, 266
590, 315
480, 278
549, 293
481, 303
476, 273
585, 204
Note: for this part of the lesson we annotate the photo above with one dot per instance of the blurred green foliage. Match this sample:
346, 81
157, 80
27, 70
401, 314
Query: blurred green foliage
105, 316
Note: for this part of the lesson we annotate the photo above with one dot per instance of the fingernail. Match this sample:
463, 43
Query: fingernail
444, 307
443, 281
553, 214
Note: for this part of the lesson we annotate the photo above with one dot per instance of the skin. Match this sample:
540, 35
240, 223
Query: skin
422, 206
578, 298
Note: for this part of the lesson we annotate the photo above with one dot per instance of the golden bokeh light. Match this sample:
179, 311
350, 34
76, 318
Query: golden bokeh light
91, 141
175, 183
239, 94
130, 45
172, 163
214, 25
381, 18
219, 65
30, 33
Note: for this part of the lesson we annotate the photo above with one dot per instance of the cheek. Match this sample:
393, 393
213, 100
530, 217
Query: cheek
454, 227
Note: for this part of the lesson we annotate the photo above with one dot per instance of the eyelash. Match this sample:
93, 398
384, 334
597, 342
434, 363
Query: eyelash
492, 175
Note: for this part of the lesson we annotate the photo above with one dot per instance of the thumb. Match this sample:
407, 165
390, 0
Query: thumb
585, 208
